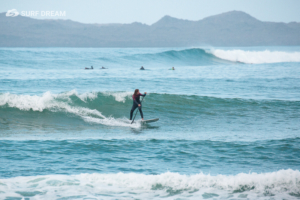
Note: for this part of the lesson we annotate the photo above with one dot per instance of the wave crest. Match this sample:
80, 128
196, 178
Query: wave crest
256, 57
199, 56
192, 57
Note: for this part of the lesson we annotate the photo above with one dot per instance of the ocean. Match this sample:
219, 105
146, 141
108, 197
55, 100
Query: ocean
229, 123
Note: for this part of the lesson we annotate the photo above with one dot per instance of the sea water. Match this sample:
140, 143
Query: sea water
229, 123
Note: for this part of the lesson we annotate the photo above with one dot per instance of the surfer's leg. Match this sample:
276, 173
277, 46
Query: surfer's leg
140, 109
131, 111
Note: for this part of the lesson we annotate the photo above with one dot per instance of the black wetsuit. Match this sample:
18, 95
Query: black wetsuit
136, 102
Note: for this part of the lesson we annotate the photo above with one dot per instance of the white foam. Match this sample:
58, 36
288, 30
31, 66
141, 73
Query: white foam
84, 96
27, 102
119, 96
256, 57
110, 121
60, 103
279, 184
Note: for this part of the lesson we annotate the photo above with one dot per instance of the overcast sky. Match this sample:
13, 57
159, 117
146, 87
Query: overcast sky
150, 11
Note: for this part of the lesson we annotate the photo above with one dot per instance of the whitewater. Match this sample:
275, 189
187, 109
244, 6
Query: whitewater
228, 129
256, 57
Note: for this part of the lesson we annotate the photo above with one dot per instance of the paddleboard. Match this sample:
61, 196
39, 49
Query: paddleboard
150, 120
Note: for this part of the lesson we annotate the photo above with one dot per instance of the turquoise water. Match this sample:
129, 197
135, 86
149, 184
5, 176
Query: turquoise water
228, 129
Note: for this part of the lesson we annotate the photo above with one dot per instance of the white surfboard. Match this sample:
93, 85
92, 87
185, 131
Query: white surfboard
150, 120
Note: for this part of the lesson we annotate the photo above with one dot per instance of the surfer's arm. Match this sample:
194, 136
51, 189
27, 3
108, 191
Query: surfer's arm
143, 94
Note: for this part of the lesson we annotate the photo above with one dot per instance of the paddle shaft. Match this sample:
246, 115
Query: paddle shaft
137, 110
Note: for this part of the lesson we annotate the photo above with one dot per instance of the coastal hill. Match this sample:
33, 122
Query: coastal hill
233, 28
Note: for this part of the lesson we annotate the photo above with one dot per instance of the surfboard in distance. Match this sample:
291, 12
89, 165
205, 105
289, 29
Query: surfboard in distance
150, 120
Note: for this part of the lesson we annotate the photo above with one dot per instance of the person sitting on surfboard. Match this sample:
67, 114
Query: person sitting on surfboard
142, 68
137, 103
89, 68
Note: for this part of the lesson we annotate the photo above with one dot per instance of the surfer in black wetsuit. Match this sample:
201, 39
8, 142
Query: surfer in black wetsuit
142, 68
137, 103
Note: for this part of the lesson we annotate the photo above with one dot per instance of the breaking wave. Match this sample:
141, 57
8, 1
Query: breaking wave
282, 184
112, 108
256, 57
198, 56
193, 57
68, 102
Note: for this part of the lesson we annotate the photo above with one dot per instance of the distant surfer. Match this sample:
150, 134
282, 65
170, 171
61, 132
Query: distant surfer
103, 67
137, 103
89, 68
173, 68
142, 68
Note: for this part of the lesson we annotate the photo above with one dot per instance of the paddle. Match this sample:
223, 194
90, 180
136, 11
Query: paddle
137, 110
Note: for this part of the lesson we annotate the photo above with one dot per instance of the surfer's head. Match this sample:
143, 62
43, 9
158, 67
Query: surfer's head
136, 92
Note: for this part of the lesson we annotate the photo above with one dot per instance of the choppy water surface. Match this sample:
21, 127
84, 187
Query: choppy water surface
228, 129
